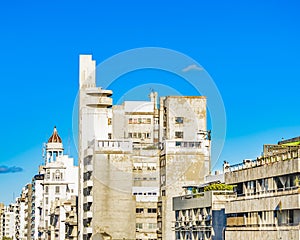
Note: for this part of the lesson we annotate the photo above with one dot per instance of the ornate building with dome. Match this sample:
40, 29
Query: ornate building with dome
54, 185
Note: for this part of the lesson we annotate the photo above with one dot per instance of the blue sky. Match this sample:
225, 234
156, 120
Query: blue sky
250, 48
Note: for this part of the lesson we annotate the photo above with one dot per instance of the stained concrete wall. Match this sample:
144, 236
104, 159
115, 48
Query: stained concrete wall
193, 111
283, 233
113, 203
180, 170
264, 171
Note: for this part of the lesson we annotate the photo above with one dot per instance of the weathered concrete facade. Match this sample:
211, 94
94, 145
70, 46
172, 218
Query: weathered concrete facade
201, 215
185, 152
267, 205
131, 154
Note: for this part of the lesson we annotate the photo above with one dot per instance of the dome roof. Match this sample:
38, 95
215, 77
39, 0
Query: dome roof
55, 138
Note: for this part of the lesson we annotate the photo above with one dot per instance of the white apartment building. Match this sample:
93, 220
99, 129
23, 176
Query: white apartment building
57, 180
37, 203
8, 222
134, 158
1, 219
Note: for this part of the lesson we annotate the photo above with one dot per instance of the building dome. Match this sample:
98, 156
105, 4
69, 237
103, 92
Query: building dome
55, 138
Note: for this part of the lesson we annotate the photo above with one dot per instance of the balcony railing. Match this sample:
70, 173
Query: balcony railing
114, 145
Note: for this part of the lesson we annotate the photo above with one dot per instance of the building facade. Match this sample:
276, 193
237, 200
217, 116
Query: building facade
59, 180
267, 201
134, 158
200, 212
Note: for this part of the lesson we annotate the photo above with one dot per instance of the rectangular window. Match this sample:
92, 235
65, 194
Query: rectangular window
179, 120
151, 210
47, 200
46, 190
130, 120
109, 121
139, 225
152, 225
139, 210
129, 135
57, 190
178, 134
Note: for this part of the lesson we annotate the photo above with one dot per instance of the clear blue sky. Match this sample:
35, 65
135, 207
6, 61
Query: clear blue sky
250, 48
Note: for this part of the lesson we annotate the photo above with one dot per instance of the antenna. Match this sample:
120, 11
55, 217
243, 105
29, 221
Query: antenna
69, 146
44, 155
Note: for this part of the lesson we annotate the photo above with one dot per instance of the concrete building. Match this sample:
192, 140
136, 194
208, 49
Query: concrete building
185, 152
267, 203
37, 203
64, 211
8, 222
200, 211
1, 219
130, 154
23, 213
71, 219
20, 218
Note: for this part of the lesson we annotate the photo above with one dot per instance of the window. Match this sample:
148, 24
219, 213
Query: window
129, 135
57, 190
139, 225
178, 134
46, 190
151, 210
48, 174
179, 120
109, 121
130, 120
47, 200
152, 225
109, 136
57, 175
139, 210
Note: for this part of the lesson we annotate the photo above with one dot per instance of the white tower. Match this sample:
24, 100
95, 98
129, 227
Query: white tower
54, 147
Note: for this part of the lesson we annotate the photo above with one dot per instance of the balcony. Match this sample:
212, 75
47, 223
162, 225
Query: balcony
95, 91
88, 168
88, 199
114, 146
88, 183
267, 201
88, 152
96, 101
87, 215
88, 230
180, 146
